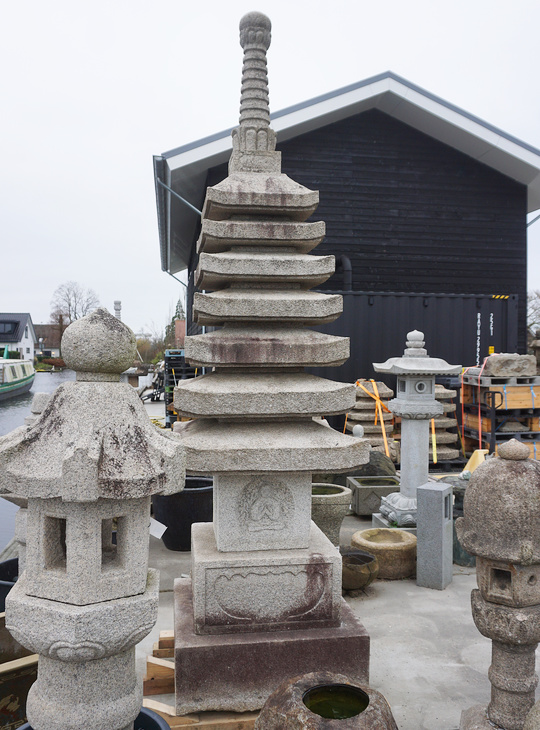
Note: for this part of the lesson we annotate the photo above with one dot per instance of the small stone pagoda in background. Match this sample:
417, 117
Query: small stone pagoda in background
501, 526
88, 466
415, 404
264, 600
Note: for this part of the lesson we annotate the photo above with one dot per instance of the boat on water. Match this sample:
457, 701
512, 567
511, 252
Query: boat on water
16, 377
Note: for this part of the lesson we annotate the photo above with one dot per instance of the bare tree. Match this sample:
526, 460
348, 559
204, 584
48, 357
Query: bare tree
70, 302
533, 311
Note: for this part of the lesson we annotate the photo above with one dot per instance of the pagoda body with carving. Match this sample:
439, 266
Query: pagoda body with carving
263, 575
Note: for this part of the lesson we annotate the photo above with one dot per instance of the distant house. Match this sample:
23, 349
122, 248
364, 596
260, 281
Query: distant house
425, 208
18, 333
48, 339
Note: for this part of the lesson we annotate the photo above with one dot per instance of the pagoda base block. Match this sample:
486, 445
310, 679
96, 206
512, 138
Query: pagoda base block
238, 672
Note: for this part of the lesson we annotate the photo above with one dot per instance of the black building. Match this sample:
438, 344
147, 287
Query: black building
425, 209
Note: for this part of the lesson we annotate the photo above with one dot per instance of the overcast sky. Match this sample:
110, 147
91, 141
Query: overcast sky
90, 91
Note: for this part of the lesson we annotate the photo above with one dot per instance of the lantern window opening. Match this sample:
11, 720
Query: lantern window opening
112, 543
55, 550
500, 583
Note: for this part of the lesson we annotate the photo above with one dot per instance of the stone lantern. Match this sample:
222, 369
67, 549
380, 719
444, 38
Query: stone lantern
88, 467
501, 526
415, 404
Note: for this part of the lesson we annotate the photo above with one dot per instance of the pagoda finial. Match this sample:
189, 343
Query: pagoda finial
254, 133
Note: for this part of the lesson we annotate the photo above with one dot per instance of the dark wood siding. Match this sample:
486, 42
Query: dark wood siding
411, 214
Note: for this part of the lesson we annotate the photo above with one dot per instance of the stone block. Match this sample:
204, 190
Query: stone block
71, 556
238, 672
99, 695
434, 532
80, 633
509, 364
264, 590
262, 394
262, 512
367, 492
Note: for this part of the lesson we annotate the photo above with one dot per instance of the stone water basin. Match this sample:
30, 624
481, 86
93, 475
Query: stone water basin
394, 549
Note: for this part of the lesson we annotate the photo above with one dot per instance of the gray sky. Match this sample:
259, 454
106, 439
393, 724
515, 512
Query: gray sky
91, 90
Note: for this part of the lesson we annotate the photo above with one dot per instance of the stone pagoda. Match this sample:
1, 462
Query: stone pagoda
264, 599
501, 526
415, 404
88, 466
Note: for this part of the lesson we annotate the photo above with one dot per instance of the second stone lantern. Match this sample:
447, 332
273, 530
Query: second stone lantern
415, 404
266, 582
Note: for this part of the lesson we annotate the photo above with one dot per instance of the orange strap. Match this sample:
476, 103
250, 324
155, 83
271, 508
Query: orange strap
379, 409
479, 404
375, 397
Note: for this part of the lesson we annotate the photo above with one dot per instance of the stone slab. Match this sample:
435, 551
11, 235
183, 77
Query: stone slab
277, 395
259, 194
238, 346
262, 512
378, 520
215, 447
434, 531
216, 270
219, 236
291, 306
264, 590
506, 364
238, 672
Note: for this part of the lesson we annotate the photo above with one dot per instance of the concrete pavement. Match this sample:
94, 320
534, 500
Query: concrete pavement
427, 657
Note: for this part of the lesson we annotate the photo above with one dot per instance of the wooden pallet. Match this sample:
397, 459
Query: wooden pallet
513, 396
471, 421
533, 445
203, 720
159, 679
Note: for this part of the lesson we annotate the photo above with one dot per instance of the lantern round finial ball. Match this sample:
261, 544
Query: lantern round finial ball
513, 450
99, 343
255, 28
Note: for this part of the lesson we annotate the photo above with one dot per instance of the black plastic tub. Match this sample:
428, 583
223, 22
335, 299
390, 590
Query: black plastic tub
146, 720
9, 572
179, 511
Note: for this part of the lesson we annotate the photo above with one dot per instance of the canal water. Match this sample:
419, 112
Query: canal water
12, 414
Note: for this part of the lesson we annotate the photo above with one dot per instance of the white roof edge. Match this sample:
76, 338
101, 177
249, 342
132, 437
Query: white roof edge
402, 100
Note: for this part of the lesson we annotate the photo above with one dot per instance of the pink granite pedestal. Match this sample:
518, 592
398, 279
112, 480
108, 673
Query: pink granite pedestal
238, 672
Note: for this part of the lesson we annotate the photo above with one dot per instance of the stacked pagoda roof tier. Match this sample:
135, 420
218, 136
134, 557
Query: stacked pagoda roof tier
255, 272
